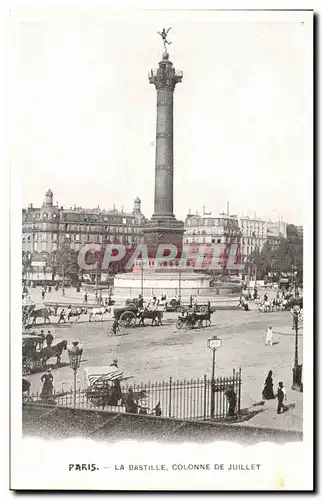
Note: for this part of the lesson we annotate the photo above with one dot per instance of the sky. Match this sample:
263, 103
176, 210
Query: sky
83, 114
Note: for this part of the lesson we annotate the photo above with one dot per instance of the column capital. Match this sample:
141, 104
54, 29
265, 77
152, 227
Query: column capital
165, 76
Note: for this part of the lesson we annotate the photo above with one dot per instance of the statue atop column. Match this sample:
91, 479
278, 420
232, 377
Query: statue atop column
164, 35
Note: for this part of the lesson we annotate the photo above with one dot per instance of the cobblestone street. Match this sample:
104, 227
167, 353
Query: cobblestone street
155, 353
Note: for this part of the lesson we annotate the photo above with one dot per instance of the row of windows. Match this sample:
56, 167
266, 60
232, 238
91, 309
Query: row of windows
93, 219
99, 229
211, 222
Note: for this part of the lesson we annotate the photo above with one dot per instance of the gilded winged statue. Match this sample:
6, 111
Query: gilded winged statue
164, 35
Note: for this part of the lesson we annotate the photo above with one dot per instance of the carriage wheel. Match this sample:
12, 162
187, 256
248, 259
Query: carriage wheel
179, 309
128, 319
190, 325
203, 309
179, 324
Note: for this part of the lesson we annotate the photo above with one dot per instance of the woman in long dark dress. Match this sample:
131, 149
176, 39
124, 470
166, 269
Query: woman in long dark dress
268, 391
47, 389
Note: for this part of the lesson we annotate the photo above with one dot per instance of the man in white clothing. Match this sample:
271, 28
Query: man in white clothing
269, 336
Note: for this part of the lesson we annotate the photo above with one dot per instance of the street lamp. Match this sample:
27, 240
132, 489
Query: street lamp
297, 369
180, 284
142, 277
75, 355
214, 343
294, 271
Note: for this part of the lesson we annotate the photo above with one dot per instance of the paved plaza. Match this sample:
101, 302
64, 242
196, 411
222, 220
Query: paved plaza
155, 353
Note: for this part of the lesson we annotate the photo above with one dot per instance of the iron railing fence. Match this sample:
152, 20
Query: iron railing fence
181, 399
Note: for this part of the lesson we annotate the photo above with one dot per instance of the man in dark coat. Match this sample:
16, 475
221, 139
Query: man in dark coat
49, 339
281, 397
140, 302
131, 404
232, 400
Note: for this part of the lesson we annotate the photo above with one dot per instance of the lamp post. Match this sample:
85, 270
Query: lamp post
179, 284
214, 343
142, 277
297, 369
75, 355
294, 270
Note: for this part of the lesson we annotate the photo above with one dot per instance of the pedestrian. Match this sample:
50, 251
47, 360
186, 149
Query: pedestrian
131, 404
281, 398
43, 293
115, 363
143, 405
268, 390
106, 302
42, 334
85, 298
47, 389
61, 316
232, 400
140, 302
158, 410
269, 336
49, 339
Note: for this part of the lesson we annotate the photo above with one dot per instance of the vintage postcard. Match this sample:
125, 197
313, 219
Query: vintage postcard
161, 249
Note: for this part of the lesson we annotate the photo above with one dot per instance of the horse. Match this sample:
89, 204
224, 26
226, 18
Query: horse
75, 313
265, 307
52, 352
44, 313
200, 317
155, 316
98, 311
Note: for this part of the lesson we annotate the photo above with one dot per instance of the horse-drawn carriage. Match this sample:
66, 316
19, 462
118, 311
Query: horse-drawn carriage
194, 318
32, 346
104, 387
35, 355
131, 314
29, 312
27, 309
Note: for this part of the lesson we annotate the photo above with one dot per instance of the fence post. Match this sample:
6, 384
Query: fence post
170, 397
239, 400
204, 410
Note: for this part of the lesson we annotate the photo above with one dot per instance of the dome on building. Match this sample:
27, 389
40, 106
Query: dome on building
137, 200
49, 193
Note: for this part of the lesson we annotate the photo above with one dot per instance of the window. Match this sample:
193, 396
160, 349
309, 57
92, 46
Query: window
218, 240
77, 237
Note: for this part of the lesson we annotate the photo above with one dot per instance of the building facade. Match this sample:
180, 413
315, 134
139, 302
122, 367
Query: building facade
275, 230
208, 229
253, 234
45, 229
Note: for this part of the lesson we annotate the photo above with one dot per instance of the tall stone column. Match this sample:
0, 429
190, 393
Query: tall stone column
163, 228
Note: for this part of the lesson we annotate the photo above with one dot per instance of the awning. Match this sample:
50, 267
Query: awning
98, 375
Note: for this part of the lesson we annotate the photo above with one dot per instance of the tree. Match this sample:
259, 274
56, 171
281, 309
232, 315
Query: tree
64, 262
286, 257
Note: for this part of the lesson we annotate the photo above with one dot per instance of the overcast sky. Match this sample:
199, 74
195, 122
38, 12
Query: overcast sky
83, 113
